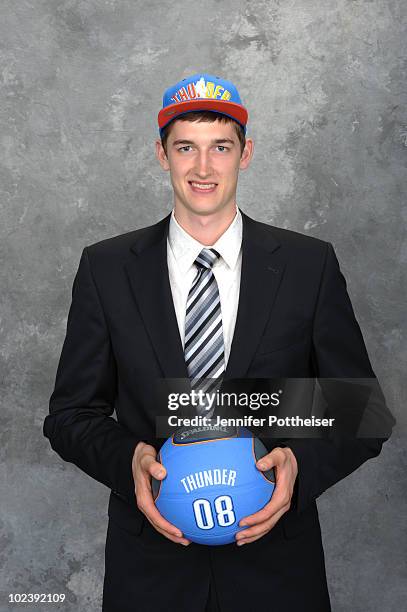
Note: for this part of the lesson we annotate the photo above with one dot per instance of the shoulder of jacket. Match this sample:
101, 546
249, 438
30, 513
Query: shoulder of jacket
120, 245
292, 239
297, 239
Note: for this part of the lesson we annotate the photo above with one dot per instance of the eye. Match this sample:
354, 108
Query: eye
222, 147
184, 147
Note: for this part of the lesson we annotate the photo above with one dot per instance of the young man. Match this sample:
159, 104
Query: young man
274, 305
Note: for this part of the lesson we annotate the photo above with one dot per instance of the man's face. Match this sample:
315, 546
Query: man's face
204, 161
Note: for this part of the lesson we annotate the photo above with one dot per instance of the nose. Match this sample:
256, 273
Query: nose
203, 165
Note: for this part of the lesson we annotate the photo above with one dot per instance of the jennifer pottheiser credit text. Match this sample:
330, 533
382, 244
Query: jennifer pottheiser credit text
249, 421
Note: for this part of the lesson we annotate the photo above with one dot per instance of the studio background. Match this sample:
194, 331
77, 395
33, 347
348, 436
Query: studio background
81, 85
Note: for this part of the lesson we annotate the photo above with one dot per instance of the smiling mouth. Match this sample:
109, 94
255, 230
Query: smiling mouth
202, 187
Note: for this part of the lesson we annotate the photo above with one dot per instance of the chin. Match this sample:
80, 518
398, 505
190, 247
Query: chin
204, 208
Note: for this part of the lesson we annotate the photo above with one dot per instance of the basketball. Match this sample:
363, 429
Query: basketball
212, 482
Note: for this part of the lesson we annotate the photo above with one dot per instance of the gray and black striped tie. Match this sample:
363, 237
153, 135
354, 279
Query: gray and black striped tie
204, 348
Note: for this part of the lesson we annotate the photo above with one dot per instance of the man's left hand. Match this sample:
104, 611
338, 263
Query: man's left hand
285, 468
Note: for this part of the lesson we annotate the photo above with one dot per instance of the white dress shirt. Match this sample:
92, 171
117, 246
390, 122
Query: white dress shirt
182, 250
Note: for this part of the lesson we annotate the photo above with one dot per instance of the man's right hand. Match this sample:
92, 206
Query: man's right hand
144, 466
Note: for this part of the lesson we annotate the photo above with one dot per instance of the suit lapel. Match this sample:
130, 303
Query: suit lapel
262, 271
148, 276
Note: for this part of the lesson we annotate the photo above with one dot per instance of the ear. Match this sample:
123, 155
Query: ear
247, 154
161, 156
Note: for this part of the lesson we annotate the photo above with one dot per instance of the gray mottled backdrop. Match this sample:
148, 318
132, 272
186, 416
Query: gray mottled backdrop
81, 84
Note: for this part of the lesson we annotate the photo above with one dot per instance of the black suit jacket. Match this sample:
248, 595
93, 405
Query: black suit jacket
294, 319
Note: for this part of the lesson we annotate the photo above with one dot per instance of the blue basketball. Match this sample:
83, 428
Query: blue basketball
212, 482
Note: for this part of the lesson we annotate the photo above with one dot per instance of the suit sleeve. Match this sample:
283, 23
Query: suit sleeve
338, 352
79, 426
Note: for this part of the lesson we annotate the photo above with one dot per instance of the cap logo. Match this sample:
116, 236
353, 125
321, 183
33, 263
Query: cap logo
201, 89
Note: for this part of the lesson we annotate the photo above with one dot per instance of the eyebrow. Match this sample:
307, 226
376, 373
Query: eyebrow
191, 142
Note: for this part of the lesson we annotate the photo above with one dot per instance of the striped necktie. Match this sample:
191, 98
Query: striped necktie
204, 349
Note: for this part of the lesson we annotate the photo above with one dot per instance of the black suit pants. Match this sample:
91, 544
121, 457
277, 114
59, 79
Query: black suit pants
149, 573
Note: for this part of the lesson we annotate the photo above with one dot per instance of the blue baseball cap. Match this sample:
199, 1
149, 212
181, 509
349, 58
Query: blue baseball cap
202, 92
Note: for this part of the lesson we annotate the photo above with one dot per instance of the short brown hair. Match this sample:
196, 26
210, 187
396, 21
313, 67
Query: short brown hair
208, 116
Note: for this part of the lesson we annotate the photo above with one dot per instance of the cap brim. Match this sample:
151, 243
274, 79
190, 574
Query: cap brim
231, 109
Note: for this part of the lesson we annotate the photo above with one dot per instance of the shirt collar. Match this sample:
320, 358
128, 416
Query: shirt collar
186, 249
